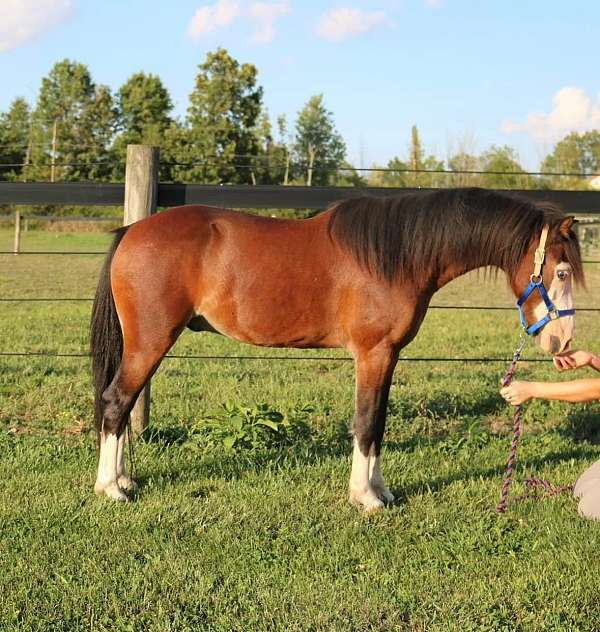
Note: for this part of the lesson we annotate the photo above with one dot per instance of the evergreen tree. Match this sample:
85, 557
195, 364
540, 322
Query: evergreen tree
319, 148
222, 118
412, 173
416, 151
144, 106
76, 116
14, 139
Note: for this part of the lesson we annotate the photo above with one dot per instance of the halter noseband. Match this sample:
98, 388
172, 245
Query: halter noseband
537, 283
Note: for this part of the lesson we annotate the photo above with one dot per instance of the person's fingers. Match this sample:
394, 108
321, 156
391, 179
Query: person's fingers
509, 394
564, 363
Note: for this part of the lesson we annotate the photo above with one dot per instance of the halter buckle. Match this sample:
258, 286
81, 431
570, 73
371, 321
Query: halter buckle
539, 256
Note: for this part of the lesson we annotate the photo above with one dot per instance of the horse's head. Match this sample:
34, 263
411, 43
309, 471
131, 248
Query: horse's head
543, 282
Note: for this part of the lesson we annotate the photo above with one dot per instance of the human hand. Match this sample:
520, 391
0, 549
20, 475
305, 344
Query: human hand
569, 360
517, 392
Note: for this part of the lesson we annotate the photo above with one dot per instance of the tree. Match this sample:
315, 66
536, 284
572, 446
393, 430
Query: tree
222, 117
143, 106
319, 148
462, 162
74, 119
414, 171
286, 143
348, 176
575, 153
14, 139
504, 163
269, 165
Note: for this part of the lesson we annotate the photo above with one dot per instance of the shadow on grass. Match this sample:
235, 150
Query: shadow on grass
496, 472
446, 406
197, 459
582, 425
204, 463
202, 460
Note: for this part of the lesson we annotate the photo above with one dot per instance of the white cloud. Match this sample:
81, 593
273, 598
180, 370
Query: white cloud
573, 111
343, 23
223, 12
434, 4
265, 14
23, 20
207, 19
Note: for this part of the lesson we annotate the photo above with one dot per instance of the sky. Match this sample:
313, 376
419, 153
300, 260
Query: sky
469, 74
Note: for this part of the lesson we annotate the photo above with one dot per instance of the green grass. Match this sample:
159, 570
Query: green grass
267, 541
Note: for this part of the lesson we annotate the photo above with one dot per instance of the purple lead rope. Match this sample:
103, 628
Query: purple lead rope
532, 483
512, 455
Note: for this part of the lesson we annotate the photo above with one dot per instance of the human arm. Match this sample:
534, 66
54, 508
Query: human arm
573, 391
575, 360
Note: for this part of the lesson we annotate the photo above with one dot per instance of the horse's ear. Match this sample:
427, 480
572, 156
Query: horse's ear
566, 226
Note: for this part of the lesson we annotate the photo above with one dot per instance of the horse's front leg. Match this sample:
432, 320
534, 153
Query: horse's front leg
374, 370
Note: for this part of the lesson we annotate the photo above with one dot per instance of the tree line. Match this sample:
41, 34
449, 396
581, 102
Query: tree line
79, 130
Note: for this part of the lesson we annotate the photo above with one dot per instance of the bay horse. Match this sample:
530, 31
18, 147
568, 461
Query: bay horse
360, 275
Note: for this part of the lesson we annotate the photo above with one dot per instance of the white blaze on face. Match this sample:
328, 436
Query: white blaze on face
557, 334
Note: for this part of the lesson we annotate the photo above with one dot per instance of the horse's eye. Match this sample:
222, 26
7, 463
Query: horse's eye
562, 274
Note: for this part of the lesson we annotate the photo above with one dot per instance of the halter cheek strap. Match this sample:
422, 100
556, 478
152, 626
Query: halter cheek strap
537, 283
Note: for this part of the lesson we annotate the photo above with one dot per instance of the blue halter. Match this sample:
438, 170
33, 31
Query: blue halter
537, 283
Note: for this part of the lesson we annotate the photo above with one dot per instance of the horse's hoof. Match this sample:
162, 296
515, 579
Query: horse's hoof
126, 483
112, 490
366, 501
385, 495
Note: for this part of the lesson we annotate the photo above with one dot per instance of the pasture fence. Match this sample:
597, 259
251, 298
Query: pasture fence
142, 194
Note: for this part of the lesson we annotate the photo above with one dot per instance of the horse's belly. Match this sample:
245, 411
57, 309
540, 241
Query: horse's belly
271, 326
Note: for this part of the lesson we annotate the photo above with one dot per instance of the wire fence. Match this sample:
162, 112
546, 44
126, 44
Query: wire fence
254, 161
308, 358
27, 299
98, 252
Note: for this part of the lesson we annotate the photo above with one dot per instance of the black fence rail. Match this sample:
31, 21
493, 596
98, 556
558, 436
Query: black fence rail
245, 196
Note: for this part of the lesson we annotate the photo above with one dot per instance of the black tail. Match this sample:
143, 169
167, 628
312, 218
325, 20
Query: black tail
106, 337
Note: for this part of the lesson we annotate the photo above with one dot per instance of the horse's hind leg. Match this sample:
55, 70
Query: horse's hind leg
374, 370
125, 482
139, 362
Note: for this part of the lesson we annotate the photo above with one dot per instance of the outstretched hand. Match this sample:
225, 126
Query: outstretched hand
570, 360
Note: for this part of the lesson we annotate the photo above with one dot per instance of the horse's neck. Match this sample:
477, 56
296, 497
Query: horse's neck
472, 260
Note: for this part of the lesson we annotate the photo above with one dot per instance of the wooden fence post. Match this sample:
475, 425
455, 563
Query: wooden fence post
141, 193
17, 244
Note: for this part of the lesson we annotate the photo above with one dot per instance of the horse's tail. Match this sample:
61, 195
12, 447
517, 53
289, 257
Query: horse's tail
106, 337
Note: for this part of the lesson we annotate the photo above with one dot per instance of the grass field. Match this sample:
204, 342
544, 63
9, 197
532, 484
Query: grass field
266, 540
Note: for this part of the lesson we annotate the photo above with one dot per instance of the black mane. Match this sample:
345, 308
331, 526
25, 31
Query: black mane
415, 236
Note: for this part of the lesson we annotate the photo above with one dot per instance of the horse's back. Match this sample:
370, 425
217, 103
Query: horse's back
266, 281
